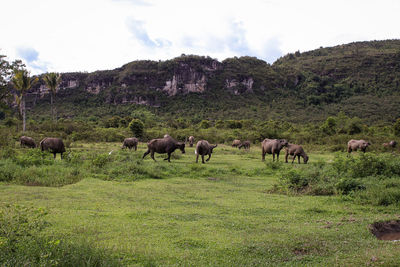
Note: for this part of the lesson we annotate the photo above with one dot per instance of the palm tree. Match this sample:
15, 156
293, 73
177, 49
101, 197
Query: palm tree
22, 83
52, 80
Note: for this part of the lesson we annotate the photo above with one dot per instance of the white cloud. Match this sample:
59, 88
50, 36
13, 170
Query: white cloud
77, 35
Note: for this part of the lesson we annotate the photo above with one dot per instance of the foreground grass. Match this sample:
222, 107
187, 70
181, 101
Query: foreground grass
220, 213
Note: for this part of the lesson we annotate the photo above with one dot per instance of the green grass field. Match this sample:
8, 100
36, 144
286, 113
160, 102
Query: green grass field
221, 213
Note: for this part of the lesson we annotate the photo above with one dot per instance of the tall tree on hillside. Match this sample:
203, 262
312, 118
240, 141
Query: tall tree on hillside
22, 83
52, 80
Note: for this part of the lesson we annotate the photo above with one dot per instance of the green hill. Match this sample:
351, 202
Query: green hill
360, 79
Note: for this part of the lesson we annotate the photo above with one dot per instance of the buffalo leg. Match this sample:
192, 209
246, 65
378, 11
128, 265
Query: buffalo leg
202, 159
209, 156
146, 153
61, 155
54, 155
277, 156
286, 156
135, 147
273, 157
169, 156
293, 158
197, 158
263, 156
152, 155
298, 158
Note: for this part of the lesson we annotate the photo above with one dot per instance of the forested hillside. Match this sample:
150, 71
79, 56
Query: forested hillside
361, 79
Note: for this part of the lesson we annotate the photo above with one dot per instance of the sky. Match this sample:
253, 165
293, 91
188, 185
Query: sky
89, 35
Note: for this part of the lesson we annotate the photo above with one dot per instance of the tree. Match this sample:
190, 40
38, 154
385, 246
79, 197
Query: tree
137, 127
6, 71
22, 83
329, 126
52, 80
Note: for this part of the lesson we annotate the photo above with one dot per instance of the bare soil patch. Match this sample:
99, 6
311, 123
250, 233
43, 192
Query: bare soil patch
389, 230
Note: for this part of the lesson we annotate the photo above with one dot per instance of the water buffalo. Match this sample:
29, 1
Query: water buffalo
163, 145
191, 140
296, 151
27, 141
53, 145
354, 145
245, 144
272, 146
236, 143
203, 148
392, 144
130, 143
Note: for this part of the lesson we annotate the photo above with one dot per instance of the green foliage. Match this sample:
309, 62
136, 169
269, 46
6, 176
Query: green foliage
100, 160
114, 122
396, 127
205, 124
22, 244
137, 127
329, 126
234, 124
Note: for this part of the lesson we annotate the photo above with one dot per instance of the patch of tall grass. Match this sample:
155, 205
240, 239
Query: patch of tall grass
367, 178
22, 242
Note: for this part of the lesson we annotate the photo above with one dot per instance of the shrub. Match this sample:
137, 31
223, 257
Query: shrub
346, 185
137, 127
205, 124
34, 157
100, 160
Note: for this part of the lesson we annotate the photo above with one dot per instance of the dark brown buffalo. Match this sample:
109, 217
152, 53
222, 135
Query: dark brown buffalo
130, 143
236, 143
296, 151
27, 141
203, 148
272, 146
163, 145
354, 145
191, 141
245, 145
53, 145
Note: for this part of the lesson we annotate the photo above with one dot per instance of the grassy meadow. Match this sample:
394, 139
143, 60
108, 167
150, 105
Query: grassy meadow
97, 208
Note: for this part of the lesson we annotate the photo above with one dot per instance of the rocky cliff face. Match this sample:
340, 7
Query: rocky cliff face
140, 82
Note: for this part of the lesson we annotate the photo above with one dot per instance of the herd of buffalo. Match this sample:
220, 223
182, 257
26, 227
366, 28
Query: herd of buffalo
168, 145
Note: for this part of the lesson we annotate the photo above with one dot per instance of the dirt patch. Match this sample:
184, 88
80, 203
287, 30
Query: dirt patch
389, 230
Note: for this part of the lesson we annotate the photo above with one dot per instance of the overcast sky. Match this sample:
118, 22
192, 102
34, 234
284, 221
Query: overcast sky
89, 35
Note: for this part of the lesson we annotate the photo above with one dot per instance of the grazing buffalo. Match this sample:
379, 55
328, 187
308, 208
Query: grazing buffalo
236, 143
392, 144
130, 143
296, 151
272, 146
53, 145
245, 145
27, 141
203, 148
354, 145
191, 140
163, 145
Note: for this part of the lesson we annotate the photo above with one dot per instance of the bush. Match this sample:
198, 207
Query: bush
205, 124
137, 127
347, 185
100, 160
34, 157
